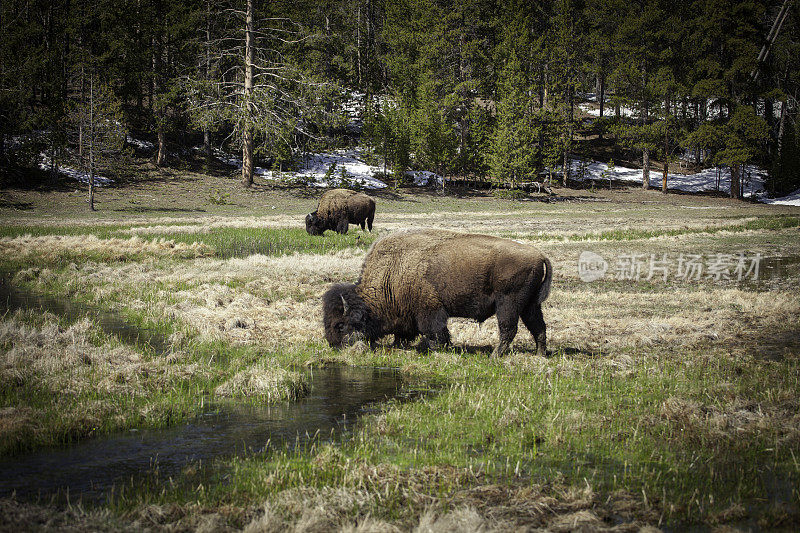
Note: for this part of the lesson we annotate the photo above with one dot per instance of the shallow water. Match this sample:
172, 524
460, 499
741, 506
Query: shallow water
89, 470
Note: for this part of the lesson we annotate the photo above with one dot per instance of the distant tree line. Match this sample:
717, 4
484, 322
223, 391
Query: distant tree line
461, 87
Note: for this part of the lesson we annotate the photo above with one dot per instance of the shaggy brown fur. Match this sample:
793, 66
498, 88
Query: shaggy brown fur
338, 209
413, 281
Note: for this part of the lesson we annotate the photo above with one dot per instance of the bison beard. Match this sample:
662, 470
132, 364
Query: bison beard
413, 281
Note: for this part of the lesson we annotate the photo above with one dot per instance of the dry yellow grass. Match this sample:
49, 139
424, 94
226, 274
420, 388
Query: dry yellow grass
482, 508
64, 362
274, 301
53, 246
270, 384
64, 359
544, 226
208, 224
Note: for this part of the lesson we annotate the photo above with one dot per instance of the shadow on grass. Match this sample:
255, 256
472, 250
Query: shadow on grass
6, 203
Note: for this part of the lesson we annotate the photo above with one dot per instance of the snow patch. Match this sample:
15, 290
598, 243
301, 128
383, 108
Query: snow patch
342, 168
423, 178
703, 181
83, 177
789, 199
140, 144
608, 110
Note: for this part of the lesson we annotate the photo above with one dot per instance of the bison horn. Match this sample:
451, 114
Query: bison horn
344, 305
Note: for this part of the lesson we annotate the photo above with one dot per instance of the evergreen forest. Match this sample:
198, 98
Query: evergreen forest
473, 89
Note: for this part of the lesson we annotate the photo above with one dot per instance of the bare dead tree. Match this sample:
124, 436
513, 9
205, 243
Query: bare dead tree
96, 129
256, 90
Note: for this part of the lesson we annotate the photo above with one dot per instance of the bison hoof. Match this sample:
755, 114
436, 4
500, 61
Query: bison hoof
498, 352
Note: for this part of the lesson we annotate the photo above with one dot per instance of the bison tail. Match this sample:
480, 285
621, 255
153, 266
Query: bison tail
371, 215
544, 289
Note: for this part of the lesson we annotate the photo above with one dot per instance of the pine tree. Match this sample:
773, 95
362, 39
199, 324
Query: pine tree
513, 154
566, 58
743, 137
267, 102
438, 57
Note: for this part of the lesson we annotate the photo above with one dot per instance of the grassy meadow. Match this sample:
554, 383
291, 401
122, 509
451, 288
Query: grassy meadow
662, 405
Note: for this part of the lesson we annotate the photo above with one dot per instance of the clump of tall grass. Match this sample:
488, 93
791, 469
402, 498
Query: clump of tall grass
272, 384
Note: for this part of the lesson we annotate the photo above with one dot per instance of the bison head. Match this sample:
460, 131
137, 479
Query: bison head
346, 316
314, 225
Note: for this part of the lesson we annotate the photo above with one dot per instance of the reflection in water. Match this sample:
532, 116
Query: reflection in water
90, 469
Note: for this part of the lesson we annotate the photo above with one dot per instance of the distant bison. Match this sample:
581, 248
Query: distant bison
337, 209
413, 281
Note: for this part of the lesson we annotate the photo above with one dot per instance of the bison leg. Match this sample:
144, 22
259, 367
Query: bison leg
433, 327
534, 321
370, 218
341, 226
507, 320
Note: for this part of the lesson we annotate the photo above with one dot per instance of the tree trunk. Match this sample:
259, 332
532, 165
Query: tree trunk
247, 137
735, 177
567, 166
207, 145
207, 129
91, 144
463, 120
779, 146
81, 154
157, 108
602, 99
666, 146
161, 158
602, 95
544, 87
645, 154
358, 46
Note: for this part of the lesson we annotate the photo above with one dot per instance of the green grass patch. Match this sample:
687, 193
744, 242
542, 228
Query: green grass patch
242, 242
224, 242
660, 429
764, 223
62, 382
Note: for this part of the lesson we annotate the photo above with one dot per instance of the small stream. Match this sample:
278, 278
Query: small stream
89, 470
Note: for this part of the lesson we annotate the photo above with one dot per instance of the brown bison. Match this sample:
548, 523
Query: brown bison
413, 281
337, 209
